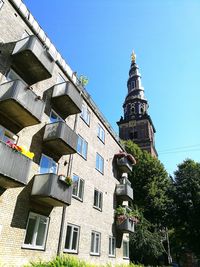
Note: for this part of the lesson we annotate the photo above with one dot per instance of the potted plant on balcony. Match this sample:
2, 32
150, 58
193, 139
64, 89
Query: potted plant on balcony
65, 179
124, 213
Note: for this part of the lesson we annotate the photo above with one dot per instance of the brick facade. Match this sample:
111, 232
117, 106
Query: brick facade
16, 203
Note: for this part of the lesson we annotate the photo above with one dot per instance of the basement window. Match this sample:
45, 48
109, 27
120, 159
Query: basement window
36, 231
72, 237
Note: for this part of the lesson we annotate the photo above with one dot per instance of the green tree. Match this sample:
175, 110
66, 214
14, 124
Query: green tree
186, 194
151, 184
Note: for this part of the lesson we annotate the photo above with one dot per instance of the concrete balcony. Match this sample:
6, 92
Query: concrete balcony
126, 226
14, 167
31, 60
124, 191
66, 99
48, 189
124, 165
59, 139
20, 105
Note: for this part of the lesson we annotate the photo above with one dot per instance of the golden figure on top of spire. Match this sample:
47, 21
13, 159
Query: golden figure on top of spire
133, 56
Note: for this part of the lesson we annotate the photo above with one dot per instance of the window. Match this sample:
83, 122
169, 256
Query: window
1, 3
95, 243
126, 249
72, 237
98, 197
48, 165
78, 187
7, 136
101, 133
85, 114
112, 246
99, 163
82, 147
36, 231
54, 117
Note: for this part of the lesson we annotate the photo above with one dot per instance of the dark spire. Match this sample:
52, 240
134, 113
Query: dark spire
136, 124
135, 105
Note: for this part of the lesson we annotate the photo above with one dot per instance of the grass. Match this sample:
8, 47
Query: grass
69, 261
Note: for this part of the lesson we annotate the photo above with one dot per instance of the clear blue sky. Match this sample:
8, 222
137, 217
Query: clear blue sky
96, 38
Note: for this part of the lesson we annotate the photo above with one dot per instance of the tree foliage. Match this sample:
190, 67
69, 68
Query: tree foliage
186, 195
151, 184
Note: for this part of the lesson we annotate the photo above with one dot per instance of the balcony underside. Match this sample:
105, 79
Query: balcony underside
59, 139
10, 182
49, 190
66, 99
16, 115
29, 67
31, 60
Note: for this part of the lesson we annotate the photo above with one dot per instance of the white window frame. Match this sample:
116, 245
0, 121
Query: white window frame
82, 144
99, 160
73, 228
97, 238
101, 133
99, 204
112, 247
79, 194
85, 114
33, 244
6, 133
126, 246
1, 3
51, 160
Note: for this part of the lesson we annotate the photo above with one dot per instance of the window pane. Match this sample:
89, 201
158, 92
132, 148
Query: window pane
85, 149
97, 243
97, 161
79, 145
75, 185
95, 198
113, 246
53, 168
68, 236
100, 200
110, 246
30, 230
41, 232
75, 239
92, 242
81, 184
44, 164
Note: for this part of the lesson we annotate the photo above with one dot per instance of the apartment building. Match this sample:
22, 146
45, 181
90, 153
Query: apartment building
63, 171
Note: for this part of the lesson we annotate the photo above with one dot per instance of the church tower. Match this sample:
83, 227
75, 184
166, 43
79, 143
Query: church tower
136, 125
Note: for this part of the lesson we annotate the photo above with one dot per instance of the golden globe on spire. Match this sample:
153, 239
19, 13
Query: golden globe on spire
133, 56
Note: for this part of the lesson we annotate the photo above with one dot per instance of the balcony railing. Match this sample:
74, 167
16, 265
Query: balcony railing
124, 191
14, 167
60, 139
20, 105
126, 226
31, 60
124, 165
48, 189
66, 99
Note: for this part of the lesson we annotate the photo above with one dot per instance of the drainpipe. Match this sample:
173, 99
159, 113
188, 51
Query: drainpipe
69, 170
